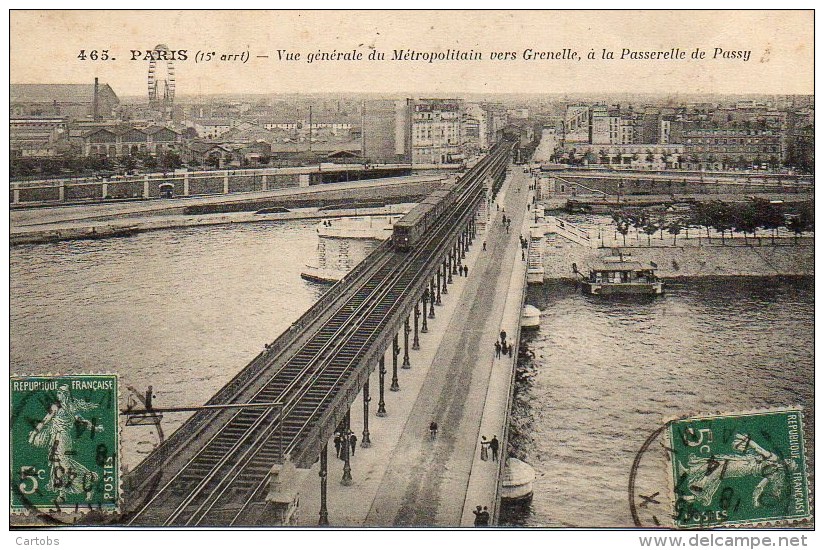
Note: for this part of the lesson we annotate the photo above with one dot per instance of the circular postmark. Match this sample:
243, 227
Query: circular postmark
648, 492
721, 470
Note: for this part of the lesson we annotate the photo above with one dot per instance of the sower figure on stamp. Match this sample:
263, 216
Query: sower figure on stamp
55, 431
704, 477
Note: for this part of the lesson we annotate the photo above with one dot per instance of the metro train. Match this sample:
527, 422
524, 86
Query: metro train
408, 230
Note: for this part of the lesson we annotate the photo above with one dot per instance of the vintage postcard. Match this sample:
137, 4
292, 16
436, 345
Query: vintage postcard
412, 269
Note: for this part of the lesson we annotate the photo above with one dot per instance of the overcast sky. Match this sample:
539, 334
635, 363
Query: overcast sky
45, 46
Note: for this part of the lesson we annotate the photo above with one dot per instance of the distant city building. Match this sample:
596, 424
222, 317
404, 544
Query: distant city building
384, 134
576, 124
93, 101
715, 149
436, 130
127, 140
37, 136
211, 128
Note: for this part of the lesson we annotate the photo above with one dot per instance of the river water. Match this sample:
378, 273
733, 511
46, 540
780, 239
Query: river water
186, 309
607, 373
183, 310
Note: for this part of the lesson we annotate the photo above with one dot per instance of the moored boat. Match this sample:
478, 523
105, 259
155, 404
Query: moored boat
615, 275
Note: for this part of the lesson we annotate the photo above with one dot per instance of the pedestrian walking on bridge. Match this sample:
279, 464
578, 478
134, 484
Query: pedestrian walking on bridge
497, 349
493, 446
353, 442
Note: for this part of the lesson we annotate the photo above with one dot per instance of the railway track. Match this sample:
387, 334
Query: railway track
230, 471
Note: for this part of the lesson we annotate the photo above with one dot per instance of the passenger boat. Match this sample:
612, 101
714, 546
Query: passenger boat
614, 275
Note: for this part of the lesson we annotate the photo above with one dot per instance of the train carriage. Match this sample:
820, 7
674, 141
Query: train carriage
408, 231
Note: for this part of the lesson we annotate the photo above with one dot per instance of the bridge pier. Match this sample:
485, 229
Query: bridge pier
366, 442
416, 343
438, 287
395, 351
347, 468
406, 364
381, 378
323, 516
450, 266
425, 299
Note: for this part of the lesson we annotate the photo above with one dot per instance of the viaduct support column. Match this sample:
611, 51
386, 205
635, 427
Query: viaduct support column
416, 343
366, 441
323, 518
381, 374
347, 468
406, 364
450, 266
438, 287
424, 328
432, 298
395, 351
445, 269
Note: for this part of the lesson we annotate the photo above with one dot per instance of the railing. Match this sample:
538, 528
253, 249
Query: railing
510, 396
569, 231
263, 359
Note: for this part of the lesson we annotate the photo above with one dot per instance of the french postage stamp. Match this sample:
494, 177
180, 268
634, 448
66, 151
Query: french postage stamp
65, 446
739, 469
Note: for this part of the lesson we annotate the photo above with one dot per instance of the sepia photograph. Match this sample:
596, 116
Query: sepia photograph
468, 270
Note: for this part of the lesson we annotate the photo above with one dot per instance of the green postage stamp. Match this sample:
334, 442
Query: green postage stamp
65, 452
739, 469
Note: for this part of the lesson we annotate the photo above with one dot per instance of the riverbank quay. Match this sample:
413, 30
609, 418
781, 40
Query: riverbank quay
118, 219
733, 257
129, 226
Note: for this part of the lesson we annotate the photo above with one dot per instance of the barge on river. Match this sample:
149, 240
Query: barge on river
615, 275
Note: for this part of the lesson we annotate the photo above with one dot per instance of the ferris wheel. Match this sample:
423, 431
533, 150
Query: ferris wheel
161, 84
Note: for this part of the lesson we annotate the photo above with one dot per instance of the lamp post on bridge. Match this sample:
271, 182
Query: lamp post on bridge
347, 468
395, 351
406, 364
366, 442
381, 377
323, 518
416, 343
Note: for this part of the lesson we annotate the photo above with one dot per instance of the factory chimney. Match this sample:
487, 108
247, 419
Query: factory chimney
95, 108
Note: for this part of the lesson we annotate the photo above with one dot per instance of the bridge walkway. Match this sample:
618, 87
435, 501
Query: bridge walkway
404, 478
